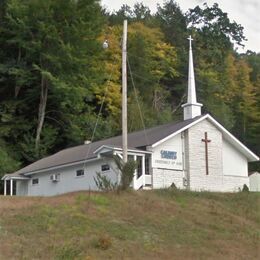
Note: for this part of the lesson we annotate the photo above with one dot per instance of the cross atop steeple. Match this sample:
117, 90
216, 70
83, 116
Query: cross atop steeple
190, 39
191, 108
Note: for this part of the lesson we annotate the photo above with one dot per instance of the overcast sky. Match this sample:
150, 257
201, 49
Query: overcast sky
244, 12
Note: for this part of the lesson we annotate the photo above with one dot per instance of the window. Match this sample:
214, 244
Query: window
139, 166
35, 181
80, 173
105, 167
147, 165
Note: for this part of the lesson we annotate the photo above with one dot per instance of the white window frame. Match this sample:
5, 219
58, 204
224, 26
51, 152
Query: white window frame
105, 164
35, 184
82, 175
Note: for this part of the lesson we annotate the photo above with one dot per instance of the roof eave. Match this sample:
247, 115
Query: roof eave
9, 177
179, 131
240, 146
115, 148
59, 166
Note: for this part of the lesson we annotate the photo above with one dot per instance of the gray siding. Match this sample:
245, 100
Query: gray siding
22, 187
69, 182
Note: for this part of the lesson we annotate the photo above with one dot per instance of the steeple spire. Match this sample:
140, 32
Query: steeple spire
191, 109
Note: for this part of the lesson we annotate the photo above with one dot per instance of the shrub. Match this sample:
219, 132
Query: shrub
245, 188
104, 183
127, 171
104, 242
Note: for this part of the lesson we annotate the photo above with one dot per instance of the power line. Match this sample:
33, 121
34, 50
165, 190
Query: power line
137, 101
98, 116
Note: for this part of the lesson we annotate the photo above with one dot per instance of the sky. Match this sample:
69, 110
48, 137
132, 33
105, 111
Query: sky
244, 12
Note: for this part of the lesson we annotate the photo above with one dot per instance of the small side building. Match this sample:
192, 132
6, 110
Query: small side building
254, 181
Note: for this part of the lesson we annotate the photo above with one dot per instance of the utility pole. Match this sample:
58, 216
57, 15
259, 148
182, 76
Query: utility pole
124, 92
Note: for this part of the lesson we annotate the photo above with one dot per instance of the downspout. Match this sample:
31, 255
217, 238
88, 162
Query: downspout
186, 178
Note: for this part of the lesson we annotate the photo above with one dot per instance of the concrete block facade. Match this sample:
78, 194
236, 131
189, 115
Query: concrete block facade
164, 178
216, 180
227, 167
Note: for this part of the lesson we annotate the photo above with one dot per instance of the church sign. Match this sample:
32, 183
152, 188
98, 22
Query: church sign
172, 155
168, 155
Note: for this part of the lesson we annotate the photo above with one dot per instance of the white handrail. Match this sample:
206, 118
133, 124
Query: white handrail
138, 183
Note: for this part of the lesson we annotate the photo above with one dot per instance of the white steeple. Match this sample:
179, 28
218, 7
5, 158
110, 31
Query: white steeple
191, 109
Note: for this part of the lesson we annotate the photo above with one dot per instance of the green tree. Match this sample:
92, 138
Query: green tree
141, 12
215, 26
49, 54
214, 36
7, 163
152, 63
173, 24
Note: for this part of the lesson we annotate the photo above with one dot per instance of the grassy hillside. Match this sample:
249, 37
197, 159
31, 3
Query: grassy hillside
159, 224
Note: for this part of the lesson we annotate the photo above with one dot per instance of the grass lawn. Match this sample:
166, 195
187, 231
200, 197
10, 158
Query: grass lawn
159, 224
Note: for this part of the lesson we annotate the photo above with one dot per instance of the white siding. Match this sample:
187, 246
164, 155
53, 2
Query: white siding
22, 187
234, 163
255, 181
69, 182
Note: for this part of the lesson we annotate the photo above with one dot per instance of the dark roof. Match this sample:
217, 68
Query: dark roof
137, 139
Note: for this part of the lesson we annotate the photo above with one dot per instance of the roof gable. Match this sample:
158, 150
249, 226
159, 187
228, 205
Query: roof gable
233, 140
226, 134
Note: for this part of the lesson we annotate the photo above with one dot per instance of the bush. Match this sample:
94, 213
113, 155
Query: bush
104, 242
104, 183
245, 188
127, 171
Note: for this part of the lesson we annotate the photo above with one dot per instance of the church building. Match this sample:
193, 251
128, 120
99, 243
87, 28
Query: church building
196, 154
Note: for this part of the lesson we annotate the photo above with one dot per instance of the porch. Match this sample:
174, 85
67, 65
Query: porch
142, 175
10, 184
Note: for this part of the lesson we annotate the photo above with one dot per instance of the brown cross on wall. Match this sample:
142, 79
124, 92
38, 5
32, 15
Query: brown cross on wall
206, 140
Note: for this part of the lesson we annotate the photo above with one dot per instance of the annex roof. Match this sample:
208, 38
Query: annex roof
138, 140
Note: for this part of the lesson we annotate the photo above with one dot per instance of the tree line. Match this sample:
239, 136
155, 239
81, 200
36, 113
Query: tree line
55, 76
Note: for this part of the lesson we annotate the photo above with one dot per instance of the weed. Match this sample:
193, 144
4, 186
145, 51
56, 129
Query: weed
104, 183
67, 252
104, 242
100, 200
82, 197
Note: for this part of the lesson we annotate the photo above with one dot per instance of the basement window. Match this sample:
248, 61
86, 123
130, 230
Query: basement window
105, 167
80, 173
35, 181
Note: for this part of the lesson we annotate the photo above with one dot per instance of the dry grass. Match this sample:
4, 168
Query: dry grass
161, 224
